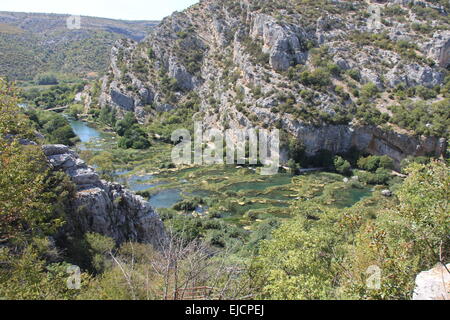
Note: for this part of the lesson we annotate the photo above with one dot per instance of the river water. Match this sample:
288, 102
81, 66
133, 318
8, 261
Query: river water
92, 139
89, 136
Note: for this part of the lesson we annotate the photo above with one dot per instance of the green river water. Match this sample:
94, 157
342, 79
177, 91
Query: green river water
266, 195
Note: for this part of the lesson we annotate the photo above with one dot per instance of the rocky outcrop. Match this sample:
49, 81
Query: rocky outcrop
341, 138
433, 284
103, 207
282, 43
243, 64
438, 48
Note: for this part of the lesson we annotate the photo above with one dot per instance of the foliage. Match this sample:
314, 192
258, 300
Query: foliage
326, 253
373, 163
28, 191
342, 166
54, 126
46, 79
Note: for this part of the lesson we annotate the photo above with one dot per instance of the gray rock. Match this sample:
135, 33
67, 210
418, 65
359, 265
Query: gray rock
103, 207
281, 42
438, 48
55, 149
122, 100
386, 193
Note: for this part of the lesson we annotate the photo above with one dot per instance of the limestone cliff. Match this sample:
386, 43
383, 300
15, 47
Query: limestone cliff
246, 63
103, 207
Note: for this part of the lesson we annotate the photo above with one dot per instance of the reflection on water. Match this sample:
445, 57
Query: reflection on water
83, 131
166, 199
269, 189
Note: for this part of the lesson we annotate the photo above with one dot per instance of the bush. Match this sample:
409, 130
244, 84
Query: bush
342, 166
318, 78
373, 163
369, 90
381, 177
46, 79
132, 135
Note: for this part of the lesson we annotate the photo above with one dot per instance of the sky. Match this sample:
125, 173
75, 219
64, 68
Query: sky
114, 9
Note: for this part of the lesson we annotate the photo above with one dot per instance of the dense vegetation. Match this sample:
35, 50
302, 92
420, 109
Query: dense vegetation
45, 44
296, 235
322, 250
326, 253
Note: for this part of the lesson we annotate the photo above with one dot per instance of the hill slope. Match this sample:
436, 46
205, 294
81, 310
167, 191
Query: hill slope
33, 43
319, 70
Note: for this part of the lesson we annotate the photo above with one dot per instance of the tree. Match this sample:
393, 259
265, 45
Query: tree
406, 238
105, 164
342, 166
46, 79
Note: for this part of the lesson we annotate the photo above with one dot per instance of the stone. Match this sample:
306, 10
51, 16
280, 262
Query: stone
103, 207
55, 149
386, 193
433, 284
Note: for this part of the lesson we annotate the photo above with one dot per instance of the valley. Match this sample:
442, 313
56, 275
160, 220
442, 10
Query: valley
356, 92
236, 195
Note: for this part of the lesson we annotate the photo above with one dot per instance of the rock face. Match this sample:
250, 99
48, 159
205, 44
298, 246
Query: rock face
103, 207
282, 43
242, 63
433, 284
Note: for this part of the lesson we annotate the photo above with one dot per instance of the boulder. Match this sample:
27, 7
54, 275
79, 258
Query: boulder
103, 207
433, 284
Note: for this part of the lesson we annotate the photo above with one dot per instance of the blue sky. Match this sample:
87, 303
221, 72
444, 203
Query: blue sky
116, 9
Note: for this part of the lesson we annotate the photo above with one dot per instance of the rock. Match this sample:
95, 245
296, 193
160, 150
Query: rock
438, 48
122, 100
281, 42
55, 149
226, 44
433, 284
103, 207
386, 193
178, 72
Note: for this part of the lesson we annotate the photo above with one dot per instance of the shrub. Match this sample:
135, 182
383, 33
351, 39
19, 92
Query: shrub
373, 163
342, 166
46, 79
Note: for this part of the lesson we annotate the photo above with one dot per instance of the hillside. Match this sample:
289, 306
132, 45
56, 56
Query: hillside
358, 210
34, 43
324, 74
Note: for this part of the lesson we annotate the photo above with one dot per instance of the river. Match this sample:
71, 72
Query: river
166, 189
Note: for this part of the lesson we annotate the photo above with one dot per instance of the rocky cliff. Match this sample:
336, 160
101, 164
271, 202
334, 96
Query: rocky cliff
103, 207
302, 67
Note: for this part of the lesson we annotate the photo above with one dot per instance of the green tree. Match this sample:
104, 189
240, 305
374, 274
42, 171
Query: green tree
342, 166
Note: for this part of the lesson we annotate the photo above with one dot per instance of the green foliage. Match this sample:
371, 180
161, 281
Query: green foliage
423, 118
104, 165
27, 276
29, 193
369, 91
188, 205
354, 74
373, 163
326, 253
53, 97
43, 45
55, 127
319, 78
108, 116
46, 79
132, 135
342, 166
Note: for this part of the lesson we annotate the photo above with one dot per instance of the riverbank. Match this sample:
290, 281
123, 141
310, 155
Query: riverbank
234, 194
